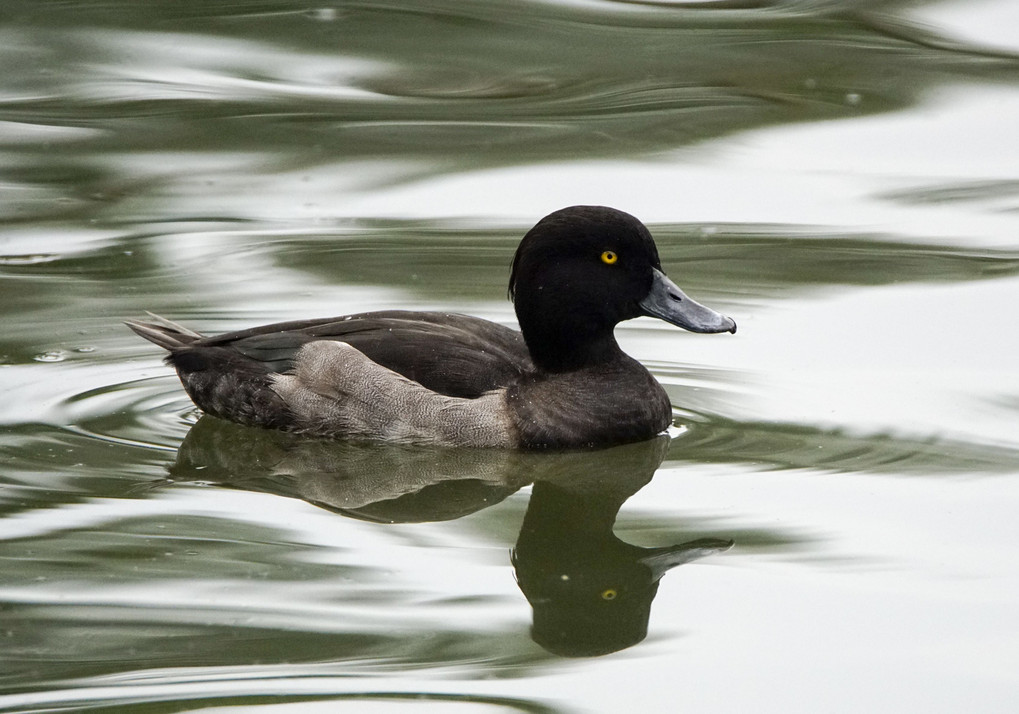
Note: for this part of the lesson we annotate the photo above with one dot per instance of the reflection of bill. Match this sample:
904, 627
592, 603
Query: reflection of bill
591, 592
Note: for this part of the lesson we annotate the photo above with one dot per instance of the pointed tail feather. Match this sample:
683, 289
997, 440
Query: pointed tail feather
165, 333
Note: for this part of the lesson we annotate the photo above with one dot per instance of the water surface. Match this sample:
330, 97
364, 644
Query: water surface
831, 526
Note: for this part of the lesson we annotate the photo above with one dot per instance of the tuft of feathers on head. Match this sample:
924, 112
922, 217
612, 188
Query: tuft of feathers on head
582, 224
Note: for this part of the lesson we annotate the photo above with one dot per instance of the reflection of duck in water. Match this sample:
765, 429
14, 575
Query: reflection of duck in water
454, 380
591, 592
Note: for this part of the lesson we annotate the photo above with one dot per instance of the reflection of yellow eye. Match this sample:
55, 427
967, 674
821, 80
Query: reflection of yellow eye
608, 257
609, 594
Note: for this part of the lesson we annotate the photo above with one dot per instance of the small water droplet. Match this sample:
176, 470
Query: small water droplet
51, 356
85, 349
853, 99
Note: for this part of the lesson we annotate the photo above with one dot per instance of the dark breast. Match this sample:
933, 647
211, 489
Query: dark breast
609, 404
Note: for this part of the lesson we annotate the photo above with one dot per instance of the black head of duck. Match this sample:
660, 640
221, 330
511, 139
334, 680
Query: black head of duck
580, 272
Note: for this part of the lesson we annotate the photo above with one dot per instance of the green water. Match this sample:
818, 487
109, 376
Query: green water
835, 509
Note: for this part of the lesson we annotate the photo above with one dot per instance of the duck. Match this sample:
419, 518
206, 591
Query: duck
559, 382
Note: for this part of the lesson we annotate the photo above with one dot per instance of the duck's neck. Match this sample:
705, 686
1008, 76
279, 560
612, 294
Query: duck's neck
566, 348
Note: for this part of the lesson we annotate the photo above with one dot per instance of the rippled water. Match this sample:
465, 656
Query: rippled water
832, 525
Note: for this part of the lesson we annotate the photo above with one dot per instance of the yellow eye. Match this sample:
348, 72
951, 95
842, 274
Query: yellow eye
609, 594
608, 257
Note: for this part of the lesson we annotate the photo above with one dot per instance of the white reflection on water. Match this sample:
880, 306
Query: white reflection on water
988, 23
161, 66
926, 566
917, 360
